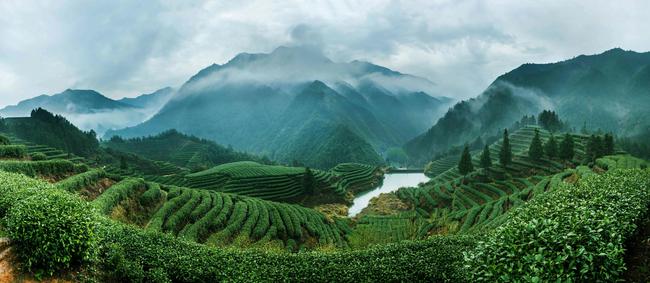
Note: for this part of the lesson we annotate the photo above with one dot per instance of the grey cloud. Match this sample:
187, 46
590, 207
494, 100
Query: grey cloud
123, 48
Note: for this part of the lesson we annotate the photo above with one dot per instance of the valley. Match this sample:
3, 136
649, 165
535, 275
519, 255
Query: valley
313, 174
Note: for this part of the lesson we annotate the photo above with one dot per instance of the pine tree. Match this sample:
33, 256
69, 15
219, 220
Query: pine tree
608, 144
566, 147
465, 165
505, 155
308, 181
551, 147
486, 161
535, 151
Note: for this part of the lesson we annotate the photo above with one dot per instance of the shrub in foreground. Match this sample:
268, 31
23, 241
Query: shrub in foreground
574, 233
52, 230
15, 187
438, 259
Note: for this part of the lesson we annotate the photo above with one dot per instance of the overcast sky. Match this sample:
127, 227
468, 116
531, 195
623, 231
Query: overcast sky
125, 48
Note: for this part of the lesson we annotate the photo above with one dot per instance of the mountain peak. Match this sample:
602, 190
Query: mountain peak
303, 53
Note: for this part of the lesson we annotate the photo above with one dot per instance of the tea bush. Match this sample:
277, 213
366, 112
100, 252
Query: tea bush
438, 259
574, 233
38, 156
57, 167
82, 180
14, 187
52, 230
13, 151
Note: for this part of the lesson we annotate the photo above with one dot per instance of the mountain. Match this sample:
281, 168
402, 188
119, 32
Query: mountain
90, 110
608, 91
155, 99
45, 128
78, 101
262, 103
179, 149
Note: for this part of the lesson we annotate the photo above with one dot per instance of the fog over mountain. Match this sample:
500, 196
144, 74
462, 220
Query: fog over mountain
278, 103
90, 110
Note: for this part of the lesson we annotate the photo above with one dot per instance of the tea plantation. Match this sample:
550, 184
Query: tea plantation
536, 221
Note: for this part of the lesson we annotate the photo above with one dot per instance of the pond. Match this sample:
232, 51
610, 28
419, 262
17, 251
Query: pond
392, 182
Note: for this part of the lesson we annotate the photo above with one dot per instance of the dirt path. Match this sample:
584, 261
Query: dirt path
8, 270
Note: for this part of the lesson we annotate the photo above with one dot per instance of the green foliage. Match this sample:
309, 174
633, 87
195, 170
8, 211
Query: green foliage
612, 162
54, 130
436, 259
465, 164
80, 181
486, 160
396, 155
151, 196
181, 150
14, 187
536, 151
52, 231
549, 120
117, 193
55, 168
573, 233
308, 182
4, 140
13, 151
566, 147
608, 144
38, 156
550, 148
505, 154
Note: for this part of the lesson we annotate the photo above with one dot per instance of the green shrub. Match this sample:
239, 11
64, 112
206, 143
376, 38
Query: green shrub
117, 193
14, 187
573, 233
52, 230
157, 275
38, 156
435, 260
151, 196
82, 180
13, 151
39, 168
119, 267
4, 140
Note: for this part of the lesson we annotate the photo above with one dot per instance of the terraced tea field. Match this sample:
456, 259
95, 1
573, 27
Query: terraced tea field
216, 218
473, 201
283, 183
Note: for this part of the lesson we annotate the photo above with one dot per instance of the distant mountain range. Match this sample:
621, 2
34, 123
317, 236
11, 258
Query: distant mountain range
608, 91
88, 109
294, 101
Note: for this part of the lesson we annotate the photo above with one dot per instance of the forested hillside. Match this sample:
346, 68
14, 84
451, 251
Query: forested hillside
182, 150
252, 105
605, 92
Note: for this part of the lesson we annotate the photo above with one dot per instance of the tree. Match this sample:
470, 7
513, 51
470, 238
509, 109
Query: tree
608, 144
505, 155
486, 161
308, 181
595, 148
584, 130
123, 164
549, 120
465, 165
566, 147
551, 147
535, 151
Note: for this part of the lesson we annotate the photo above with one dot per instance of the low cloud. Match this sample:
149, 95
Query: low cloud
123, 48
